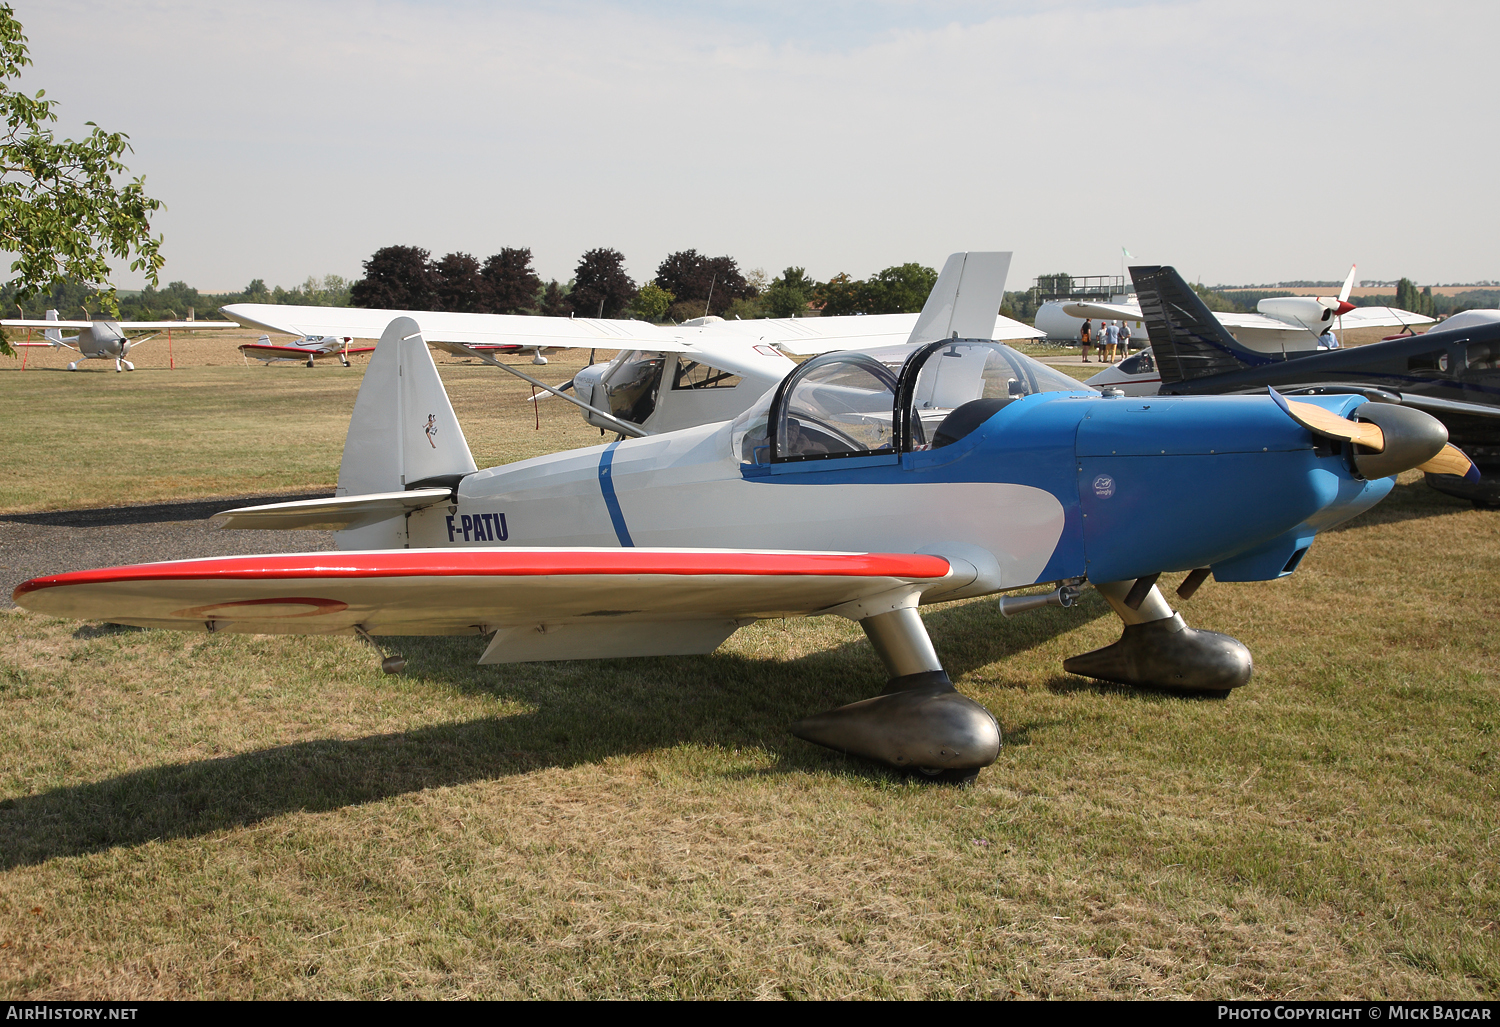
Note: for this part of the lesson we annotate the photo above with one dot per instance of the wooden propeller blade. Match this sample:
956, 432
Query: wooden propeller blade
1450, 461
1324, 422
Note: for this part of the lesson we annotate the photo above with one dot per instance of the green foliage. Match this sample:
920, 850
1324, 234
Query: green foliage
651, 303
789, 294
745, 309
898, 290
1215, 300
1408, 297
838, 295
61, 213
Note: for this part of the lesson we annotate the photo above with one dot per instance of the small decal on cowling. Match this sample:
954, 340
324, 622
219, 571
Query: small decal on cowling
1104, 486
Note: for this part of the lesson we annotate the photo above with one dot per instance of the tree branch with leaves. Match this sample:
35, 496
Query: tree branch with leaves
61, 214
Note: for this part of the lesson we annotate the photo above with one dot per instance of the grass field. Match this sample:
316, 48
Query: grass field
222, 816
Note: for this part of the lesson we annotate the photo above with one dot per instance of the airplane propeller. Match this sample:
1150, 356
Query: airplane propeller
1401, 441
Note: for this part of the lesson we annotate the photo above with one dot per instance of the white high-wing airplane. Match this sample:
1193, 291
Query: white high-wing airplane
663, 377
102, 338
1289, 325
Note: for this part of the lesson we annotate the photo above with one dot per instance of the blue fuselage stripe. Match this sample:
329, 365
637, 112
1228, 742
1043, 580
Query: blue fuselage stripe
611, 503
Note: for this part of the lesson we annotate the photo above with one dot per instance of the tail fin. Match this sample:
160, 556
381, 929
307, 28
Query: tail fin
966, 298
1189, 342
52, 335
403, 432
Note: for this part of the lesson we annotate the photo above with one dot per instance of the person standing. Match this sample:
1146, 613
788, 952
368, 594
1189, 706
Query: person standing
1083, 335
1111, 340
1124, 340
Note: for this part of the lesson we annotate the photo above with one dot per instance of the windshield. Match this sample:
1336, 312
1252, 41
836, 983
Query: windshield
973, 376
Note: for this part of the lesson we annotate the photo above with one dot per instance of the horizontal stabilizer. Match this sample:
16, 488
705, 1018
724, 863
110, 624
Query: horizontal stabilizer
336, 514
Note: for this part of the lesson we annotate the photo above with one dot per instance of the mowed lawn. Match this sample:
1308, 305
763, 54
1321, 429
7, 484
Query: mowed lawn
225, 816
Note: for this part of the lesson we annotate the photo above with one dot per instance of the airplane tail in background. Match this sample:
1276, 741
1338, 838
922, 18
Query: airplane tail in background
966, 298
403, 434
53, 335
1189, 342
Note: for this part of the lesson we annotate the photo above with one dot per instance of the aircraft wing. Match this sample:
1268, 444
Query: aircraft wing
142, 326
542, 604
478, 331
1107, 311
811, 335
1260, 322
1383, 317
22, 322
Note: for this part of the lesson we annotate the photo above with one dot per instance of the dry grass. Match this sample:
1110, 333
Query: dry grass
220, 816
216, 426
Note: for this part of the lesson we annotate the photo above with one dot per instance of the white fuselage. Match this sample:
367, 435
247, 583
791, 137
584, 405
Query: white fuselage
687, 489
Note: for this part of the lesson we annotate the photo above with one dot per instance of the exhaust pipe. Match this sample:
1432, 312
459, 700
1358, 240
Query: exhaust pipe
1064, 596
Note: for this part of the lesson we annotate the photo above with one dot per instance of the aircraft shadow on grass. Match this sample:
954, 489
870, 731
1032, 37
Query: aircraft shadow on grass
583, 712
149, 513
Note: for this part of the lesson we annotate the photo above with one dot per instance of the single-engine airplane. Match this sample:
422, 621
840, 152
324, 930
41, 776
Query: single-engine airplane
863, 485
1452, 372
663, 378
102, 339
309, 349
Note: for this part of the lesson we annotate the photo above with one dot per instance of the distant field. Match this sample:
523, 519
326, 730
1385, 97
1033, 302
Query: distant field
1372, 290
218, 816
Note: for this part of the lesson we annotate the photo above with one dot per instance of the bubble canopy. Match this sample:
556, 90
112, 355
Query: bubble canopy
895, 399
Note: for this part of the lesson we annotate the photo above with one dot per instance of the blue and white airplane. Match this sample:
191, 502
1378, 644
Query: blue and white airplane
864, 485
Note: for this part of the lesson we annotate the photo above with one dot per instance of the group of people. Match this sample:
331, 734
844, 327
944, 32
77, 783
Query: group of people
1113, 340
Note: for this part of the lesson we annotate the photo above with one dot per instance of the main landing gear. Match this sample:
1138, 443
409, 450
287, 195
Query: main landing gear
920, 723
1158, 649
128, 366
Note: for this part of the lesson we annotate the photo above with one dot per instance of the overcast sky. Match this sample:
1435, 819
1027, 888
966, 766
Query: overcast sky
1241, 142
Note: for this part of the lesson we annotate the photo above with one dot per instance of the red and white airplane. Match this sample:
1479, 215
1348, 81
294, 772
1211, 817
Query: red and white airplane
308, 349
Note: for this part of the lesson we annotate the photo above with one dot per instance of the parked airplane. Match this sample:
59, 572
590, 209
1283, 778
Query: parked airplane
1284, 325
1451, 372
863, 485
309, 348
102, 339
667, 377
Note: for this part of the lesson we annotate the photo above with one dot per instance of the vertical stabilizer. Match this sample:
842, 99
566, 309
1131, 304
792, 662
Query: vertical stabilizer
52, 335
403, 430
966, 298
1189, 342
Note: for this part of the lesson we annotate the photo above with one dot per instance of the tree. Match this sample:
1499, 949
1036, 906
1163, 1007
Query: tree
396, 278
555, 301
789, 295
839, 295
510, 283
713, 283
601, 288
457, 285
652, 303
1214, 300
897, 290
61, 213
